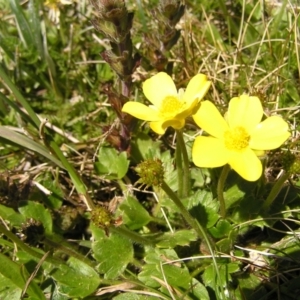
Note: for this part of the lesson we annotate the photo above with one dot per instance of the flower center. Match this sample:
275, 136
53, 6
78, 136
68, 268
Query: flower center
236, 139
170, 107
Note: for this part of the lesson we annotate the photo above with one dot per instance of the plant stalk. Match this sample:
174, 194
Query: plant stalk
179, 170
220, 190
275, 191
185, 163
131, 235
186, 215
79, 185
57, 243
27, 249
201, 232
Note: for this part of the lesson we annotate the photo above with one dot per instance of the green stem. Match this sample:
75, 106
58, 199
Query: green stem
186, 164
131, 235
57, 242
26, 248
275, 191
220, 190
179, 168
189, 219
201, 232
79, 185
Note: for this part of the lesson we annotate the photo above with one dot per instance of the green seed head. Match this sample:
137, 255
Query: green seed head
151, 172
101, 217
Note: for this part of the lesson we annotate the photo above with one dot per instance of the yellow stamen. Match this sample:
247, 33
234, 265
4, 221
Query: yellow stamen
170, 106
236, 139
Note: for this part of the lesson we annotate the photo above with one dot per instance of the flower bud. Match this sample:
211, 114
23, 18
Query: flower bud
114, 61
173, 10
113, 19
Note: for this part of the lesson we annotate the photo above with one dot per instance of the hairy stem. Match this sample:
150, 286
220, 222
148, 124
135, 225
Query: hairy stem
185, 165
179, 168
200, 230
131, 235
220, 190
275, 191
26, 248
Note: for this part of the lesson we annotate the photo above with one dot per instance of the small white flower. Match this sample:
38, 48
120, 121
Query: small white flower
54, 10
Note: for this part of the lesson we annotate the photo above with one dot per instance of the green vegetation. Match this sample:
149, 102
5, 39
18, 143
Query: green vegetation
94, 204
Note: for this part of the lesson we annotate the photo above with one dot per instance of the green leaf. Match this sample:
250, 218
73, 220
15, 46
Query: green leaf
114, 253
200, 177
178, 238
9, 214
76, 279
225, 269
134, 214
18, 276
247, 210
224, 245
221, 229
233, 195
176, 274
250, 288
111, 164
8, 290
11, 271
143, 147
134, 296
98, 233
170, 172
37, 211
203, 207
199, 291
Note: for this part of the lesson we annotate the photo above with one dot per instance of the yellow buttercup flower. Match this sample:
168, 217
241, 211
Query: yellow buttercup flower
237, 139
169, 106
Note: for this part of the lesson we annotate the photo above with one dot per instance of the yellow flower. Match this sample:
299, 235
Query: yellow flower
237, 139
169, 107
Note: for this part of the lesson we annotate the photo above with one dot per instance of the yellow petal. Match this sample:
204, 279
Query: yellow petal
246, 164
197, 88
245, 111
140, 111
210, 120
209, 152
259, 153
188, 110
269, 134
158, 87
161, 126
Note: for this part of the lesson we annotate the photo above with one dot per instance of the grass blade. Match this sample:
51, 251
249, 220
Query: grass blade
11, 136
9, 84
23, 25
